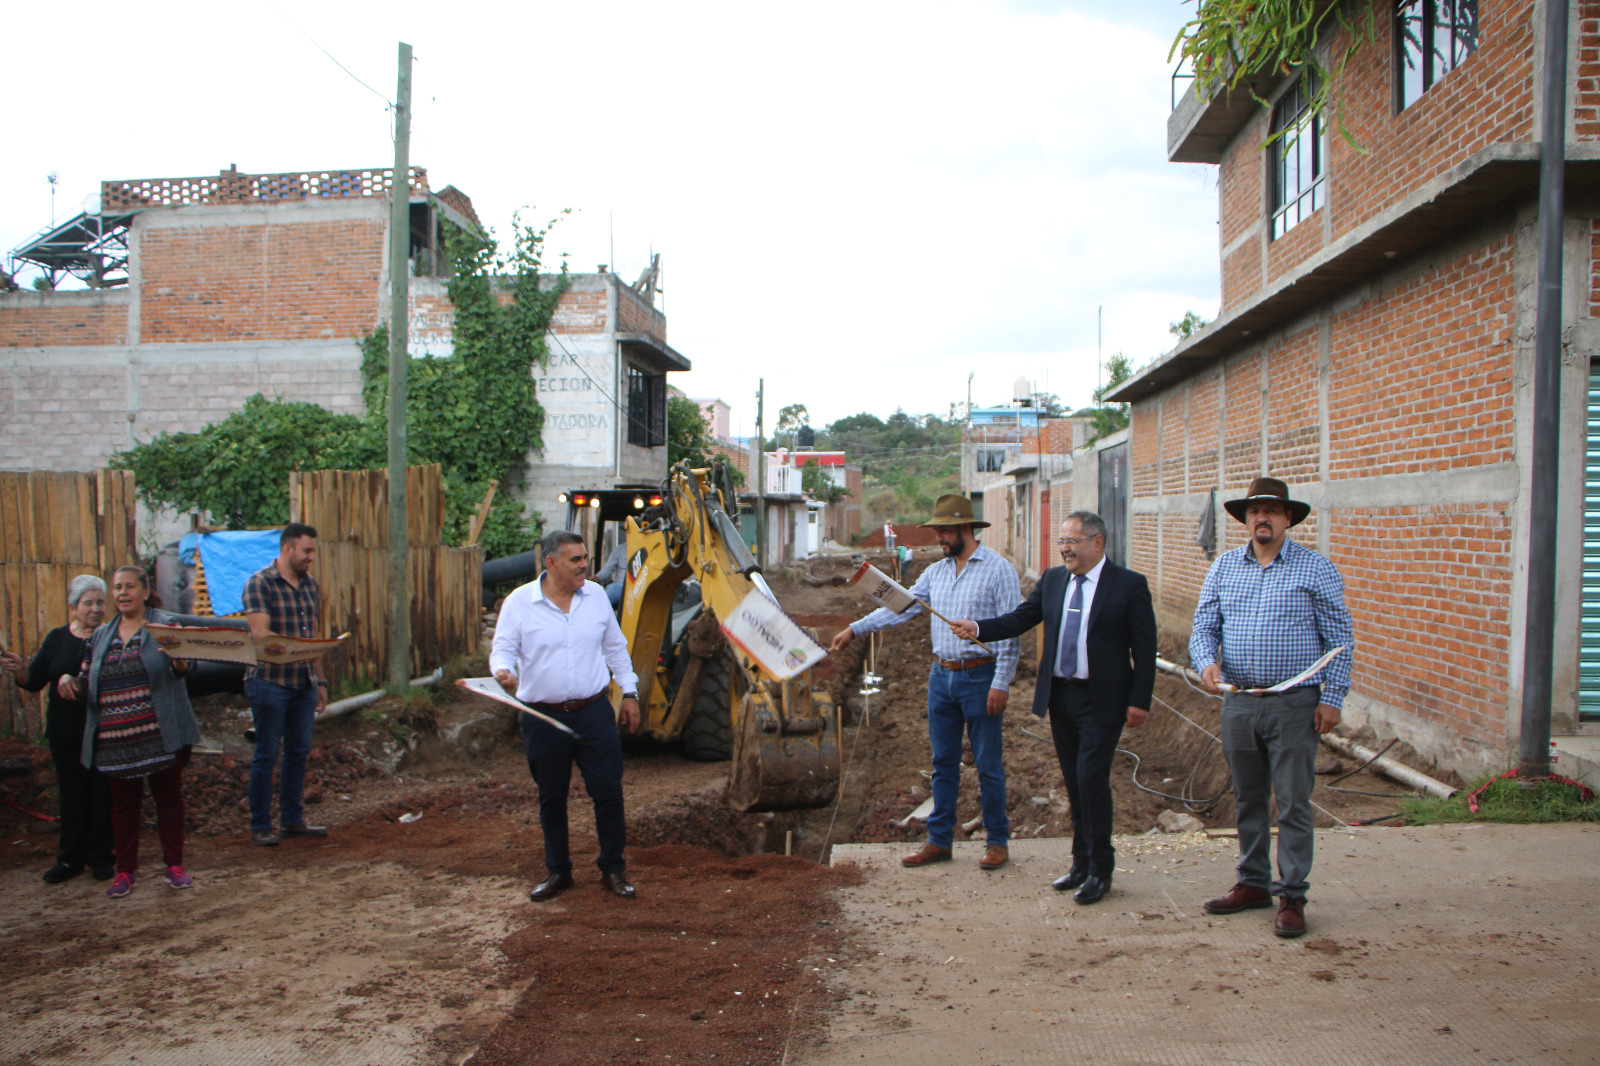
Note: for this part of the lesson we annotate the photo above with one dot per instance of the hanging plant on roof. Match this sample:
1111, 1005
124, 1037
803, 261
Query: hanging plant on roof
1234, 44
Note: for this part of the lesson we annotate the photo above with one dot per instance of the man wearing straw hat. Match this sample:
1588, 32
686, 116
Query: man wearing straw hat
1268, 611
967, 685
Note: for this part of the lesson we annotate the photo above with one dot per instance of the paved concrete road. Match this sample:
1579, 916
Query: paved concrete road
1433, 945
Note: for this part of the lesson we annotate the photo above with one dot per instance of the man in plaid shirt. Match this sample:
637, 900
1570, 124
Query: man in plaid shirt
967, 686
281, 599
1268, 611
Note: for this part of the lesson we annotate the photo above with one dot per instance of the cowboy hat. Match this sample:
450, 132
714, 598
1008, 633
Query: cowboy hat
1269, 488
954, 510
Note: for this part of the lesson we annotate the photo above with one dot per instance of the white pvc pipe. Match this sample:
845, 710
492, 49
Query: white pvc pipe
334, 710
1390, 768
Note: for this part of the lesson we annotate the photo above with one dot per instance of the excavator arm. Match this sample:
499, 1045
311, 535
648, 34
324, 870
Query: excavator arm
784, 735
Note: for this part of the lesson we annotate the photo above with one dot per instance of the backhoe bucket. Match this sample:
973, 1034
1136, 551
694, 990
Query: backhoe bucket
784, 763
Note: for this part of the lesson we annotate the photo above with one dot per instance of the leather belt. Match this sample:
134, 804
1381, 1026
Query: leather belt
963, 664
1264, 695
1071, 682
570, 705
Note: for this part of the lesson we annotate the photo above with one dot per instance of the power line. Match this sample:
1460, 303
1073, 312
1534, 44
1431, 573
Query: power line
388, 103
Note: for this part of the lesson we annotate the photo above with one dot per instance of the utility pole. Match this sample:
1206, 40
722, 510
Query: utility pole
399, 365
1538, 652
758, 471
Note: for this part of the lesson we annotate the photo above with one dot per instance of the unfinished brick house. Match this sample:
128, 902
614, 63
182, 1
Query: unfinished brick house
204, 291
1374, 349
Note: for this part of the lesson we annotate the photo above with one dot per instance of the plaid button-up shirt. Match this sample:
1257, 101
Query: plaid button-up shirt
291, 612
987, 586
1265, 624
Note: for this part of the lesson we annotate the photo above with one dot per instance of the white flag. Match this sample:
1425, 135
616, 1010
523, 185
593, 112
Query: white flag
882, 589
769, 636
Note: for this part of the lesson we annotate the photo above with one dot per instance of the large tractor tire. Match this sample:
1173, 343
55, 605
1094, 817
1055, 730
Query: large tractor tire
708, 728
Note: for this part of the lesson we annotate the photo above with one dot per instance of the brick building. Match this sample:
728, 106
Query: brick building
207, 290
1374, 349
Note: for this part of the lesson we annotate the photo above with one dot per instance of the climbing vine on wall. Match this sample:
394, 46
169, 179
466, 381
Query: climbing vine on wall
475, 412
1231, 43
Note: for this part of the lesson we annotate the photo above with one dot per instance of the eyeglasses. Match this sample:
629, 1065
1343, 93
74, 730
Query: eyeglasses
1072, 542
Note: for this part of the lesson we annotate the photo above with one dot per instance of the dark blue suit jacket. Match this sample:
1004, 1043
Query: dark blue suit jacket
1122, 637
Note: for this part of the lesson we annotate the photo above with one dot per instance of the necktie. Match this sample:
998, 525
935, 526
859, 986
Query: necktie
1067, 653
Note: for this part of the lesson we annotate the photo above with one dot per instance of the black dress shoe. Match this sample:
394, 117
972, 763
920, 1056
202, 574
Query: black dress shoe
616, 884
1071, 880
60, 872
303, 830
1093, 889
104, 871
551, 887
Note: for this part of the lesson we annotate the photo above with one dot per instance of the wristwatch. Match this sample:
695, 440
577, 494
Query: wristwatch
631, 696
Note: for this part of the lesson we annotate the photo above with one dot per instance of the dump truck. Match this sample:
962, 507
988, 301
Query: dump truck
688, 568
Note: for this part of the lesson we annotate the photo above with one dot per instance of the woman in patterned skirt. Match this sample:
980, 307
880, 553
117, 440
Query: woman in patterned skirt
139, 727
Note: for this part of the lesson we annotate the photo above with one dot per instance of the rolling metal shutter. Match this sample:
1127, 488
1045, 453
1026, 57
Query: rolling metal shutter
1589, 648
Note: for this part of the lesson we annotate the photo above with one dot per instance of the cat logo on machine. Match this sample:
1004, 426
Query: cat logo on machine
637, 563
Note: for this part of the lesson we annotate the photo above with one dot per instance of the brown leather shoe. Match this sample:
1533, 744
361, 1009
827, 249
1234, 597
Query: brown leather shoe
994, 857
616, 884
551, 887
1291, 918
926, 854
1240, 897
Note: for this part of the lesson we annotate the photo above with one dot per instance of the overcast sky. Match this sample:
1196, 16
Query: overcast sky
863, 202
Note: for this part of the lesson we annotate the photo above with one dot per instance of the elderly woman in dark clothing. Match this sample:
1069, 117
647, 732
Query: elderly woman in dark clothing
85, 825
139, 726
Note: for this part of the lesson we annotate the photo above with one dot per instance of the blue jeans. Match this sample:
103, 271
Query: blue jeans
283, 718
957, 700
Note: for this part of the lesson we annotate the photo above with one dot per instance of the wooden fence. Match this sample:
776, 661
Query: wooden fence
350, 510
53, 527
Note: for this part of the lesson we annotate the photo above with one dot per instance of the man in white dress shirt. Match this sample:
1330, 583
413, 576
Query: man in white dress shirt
556, 647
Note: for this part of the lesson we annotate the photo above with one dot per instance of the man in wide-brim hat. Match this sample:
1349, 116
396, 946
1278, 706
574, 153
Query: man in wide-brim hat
967, 686
1268, 611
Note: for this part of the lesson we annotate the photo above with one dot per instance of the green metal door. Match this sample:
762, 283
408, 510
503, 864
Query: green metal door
1589, 652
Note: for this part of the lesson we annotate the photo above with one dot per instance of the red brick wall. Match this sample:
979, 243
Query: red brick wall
284, 281
1594, 268
1205, 432
63, 324
580, 312
636, 315
1430, 603
1421, 378
1293, 433
1144, 451
1488, 99
1586, 102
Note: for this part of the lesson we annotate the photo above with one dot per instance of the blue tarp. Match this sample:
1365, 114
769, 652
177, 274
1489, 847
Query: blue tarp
230, 559
186, 546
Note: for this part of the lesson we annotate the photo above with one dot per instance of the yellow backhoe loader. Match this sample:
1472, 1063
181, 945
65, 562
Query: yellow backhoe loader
688, 567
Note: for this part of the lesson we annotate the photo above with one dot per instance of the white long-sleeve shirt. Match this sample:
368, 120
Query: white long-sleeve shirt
560, 656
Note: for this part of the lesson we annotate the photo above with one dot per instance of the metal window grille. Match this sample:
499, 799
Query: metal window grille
1431, 38
1298, 158
647, 408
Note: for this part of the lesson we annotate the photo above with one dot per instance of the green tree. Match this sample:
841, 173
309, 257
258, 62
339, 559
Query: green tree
790, 419
237, 470
688, 433
1188, 326
815, 481
1108, 418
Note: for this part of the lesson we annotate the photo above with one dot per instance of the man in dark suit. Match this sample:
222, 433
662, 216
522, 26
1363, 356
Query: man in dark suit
1097, 672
